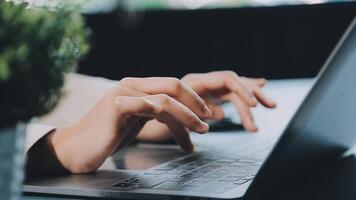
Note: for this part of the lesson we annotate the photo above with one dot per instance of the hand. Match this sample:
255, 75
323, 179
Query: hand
214, 88
120, 115
244, 93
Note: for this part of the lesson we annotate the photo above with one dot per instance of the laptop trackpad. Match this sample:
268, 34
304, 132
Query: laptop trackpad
144, 156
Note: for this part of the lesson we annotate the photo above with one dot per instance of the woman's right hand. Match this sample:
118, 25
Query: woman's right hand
120, 115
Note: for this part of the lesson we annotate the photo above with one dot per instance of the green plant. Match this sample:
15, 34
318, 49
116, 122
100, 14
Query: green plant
37, 46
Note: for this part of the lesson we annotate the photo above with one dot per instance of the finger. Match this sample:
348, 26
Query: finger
123, 91
172, 87
173, 114
170, 107
257, 91
126, 108
245, 113
222, 81
127, 105
154, 131
132, 130
181, 135
263, 99
235, 84
260, 82
217, 111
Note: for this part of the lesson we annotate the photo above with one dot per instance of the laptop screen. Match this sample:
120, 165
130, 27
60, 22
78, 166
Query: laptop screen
323, 128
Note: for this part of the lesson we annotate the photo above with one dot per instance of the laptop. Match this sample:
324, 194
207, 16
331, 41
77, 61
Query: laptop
320, 132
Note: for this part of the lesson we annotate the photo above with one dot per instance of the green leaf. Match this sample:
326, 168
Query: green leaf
4, 70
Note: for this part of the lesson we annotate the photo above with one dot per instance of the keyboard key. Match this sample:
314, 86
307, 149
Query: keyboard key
229, 168
182, 179
230, 178
177, 172
238, 164
204, 170
166, 176
205, 179
243, 171
222, 171
165, 167
186, 188
197, 172
199, 163
214, 175
145, 182
197, 183
167, 185
192, 175
226, 161
247, 160
154, 172
187, 167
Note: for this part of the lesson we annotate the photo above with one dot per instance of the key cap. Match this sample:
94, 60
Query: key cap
148, 182
167, 185
154, 172
197, 183
166, 167
186, 167
182, 179
214, 175
177, 172
147, 185
166, 176
230, 178
247, 160
205, 179
186, 188
226, 161
192, 175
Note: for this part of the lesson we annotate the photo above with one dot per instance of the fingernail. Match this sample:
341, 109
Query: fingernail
253, 126
204, 127
255, 129
274, 104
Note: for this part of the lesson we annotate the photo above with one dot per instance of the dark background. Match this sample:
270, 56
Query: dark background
273, 42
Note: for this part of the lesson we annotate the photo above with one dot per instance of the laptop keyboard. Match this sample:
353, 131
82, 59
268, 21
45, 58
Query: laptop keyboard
201, 171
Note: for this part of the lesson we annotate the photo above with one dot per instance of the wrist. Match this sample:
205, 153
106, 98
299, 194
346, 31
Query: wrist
62, 144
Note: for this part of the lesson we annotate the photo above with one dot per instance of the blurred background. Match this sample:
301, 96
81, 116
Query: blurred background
270, 38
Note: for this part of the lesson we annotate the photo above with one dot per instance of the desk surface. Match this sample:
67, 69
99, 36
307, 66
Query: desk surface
338, 179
